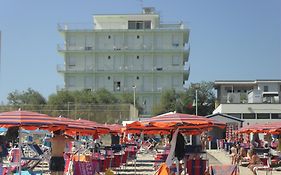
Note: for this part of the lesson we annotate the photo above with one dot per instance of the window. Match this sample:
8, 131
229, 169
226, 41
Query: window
117, 86
236, 115
109, 36
131, 25
263, 116
138, 36
276, 116
138, 77
176, 61
108, 77
71, 81
265, 88
138, 57
88, 82
249, 116
139, 24
147, 24
109, 57
71, 62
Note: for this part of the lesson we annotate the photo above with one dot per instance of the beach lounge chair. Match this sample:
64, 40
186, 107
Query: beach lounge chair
39, 157
265, 166
224, 170
13, 164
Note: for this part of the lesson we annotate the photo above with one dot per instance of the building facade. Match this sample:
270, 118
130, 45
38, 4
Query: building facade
254, 101
132, 53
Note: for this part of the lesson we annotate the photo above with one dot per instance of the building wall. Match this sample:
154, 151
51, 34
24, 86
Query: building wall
114, 57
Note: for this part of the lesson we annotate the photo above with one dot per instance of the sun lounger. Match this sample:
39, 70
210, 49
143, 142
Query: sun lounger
224, 170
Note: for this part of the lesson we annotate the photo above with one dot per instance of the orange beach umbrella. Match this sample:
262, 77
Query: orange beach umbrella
187, 123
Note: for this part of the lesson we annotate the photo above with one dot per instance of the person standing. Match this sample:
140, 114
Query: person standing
58, 142
233, 154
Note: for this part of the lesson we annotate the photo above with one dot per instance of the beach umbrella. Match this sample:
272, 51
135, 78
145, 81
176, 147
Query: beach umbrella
273, 128
101, 128
165, 123
75, 127
115, 128
30, 121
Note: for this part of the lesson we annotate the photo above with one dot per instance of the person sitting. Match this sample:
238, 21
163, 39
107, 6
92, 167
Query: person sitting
254, 162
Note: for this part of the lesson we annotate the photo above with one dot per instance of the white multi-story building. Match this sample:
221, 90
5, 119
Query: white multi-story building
254, 101
126, 53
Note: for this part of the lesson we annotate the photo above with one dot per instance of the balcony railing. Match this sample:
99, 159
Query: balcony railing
113, 26
65, 48
122, 69
236, 98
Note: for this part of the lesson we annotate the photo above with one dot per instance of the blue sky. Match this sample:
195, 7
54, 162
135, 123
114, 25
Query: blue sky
229, 40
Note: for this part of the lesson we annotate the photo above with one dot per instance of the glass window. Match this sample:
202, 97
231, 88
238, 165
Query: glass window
71, 62
176, 61
265, 88
235, 115
276, 116
263, 116
139, 25
71, 81
117, 86
131, 25
147, 24
249, 116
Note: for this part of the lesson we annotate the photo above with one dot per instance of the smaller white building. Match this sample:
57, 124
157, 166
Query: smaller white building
254, 101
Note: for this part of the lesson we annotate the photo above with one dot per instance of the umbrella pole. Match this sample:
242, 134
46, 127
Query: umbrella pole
20, 151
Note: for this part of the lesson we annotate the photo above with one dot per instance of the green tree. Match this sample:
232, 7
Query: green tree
168, 102
184, 102
29, 99
59, 103
103, 96
205, 98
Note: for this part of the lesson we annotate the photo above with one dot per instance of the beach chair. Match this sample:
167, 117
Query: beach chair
196, 166
39, 157
14, 163
265, 166
224, 170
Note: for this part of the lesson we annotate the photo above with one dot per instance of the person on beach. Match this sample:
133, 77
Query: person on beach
58, 142
233, 154
254, 162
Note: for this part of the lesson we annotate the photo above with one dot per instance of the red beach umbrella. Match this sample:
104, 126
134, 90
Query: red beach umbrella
115, 128
187, 123
30, 121
75, 127
101, 128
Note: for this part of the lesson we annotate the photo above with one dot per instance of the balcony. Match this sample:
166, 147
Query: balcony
123, 49
125, 69
89, 27
251, 98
